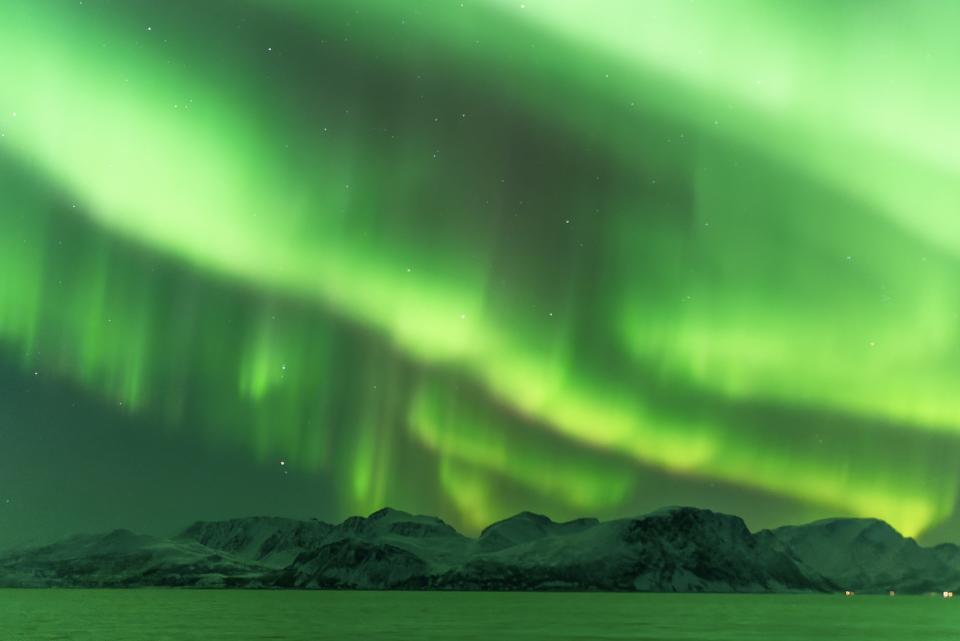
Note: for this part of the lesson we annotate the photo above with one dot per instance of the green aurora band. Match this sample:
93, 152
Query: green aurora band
481, 256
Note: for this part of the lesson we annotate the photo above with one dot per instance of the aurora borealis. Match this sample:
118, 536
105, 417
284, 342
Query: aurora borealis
468, 258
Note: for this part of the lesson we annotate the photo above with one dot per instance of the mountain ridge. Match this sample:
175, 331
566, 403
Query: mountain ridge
673, 549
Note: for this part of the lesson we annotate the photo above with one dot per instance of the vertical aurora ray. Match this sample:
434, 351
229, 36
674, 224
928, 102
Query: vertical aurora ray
560, 247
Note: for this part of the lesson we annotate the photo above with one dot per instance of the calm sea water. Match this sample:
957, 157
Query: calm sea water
148, 615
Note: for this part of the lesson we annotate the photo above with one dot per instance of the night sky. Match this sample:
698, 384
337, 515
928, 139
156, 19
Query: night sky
581, 257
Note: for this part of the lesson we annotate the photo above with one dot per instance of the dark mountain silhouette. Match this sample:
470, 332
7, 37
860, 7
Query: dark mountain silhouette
676, 549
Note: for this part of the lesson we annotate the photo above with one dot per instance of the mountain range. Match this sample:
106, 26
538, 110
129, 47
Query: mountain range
677, 549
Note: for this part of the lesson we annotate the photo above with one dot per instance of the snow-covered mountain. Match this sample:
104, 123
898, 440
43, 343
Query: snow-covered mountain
271, 541
526, 527
124, 559
671, 550
674, 549
867, 555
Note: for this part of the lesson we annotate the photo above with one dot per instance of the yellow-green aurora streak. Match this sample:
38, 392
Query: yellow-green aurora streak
737, 264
